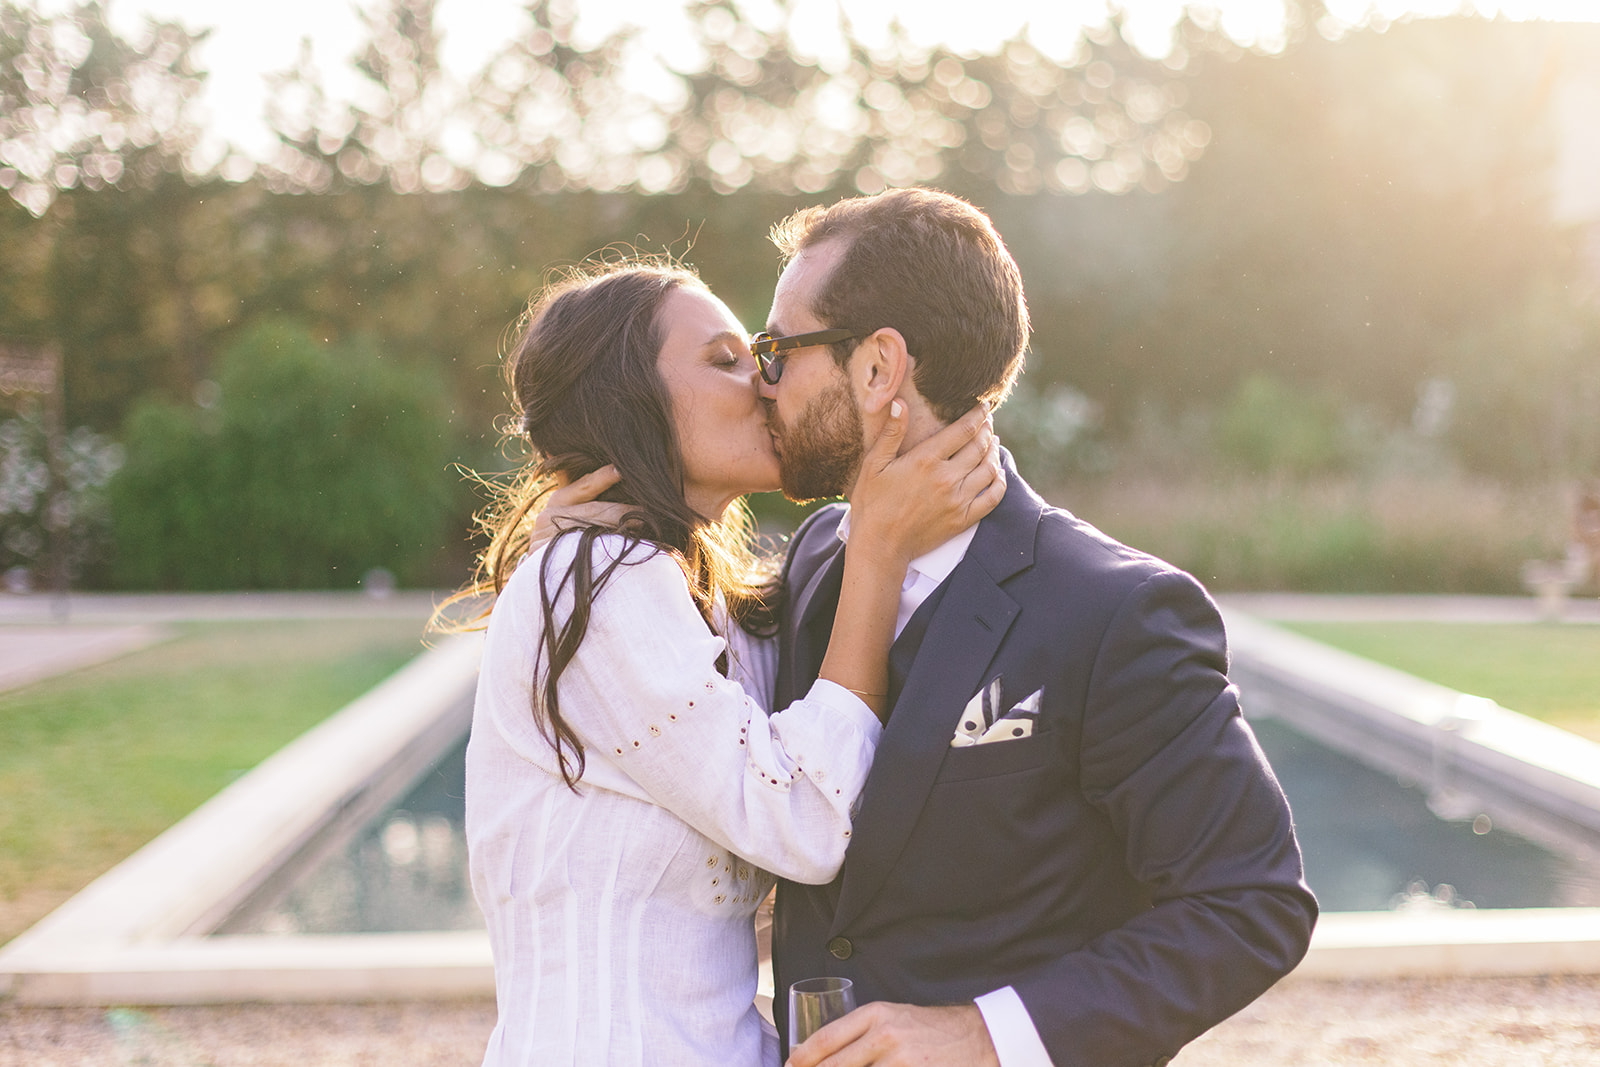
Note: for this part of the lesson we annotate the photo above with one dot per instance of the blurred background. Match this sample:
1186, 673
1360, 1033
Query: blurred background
1315, 283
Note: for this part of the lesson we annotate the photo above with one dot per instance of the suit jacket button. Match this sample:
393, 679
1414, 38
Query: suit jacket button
841, 948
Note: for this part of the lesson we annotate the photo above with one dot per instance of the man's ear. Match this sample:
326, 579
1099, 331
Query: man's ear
879, 368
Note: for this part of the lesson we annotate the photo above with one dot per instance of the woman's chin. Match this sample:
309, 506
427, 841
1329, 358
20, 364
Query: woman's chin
768, 480
772, 482
771, 485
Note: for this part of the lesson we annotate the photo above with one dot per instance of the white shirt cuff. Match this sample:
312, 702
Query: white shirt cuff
1016, 1039
839, 700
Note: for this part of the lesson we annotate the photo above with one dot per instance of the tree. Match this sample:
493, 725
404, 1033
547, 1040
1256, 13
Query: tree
749, 110
81, 105
310, 465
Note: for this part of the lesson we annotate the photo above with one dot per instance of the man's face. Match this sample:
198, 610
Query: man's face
812, 412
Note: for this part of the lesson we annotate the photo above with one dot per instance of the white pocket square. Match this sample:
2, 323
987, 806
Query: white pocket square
981, 722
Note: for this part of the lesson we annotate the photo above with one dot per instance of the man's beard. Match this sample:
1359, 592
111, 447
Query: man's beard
820, 454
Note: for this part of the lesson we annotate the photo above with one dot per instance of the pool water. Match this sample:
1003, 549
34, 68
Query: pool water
405, 871
1371, 843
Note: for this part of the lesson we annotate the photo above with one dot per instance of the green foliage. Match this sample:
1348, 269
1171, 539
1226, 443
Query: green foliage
744, 107
79, 104
1527, 391
315, 463
1341, 225
1332, 533
1051, 430
1268, 428
28, 516
1362, 205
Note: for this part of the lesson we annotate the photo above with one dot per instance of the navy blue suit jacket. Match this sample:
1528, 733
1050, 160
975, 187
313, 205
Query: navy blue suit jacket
1130, 869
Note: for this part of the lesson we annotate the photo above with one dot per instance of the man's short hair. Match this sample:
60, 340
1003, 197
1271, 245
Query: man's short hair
931, 266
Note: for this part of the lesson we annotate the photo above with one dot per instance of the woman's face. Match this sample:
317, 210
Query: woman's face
711, 376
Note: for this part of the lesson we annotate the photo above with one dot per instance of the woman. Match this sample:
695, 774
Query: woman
626, 794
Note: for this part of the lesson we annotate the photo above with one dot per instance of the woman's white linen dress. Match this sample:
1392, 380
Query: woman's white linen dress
621, 914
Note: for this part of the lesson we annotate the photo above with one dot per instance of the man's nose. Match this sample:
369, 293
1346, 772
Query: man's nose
765, 389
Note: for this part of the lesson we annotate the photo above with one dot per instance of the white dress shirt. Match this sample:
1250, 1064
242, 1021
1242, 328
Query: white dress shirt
620, 914
1016, 1039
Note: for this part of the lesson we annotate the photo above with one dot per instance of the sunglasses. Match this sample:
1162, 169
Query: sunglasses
769, 350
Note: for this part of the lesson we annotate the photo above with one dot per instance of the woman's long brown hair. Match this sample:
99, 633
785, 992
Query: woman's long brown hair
586, 392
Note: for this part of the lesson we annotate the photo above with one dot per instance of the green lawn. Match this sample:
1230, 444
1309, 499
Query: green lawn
94, 764
1548, 671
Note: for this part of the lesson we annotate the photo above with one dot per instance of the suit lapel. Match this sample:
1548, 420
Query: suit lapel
815, 546
963, 636
821, 600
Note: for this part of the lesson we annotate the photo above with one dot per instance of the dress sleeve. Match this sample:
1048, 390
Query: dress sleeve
644, 695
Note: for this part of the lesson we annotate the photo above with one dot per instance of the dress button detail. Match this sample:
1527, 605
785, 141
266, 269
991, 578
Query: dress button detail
711, 861
841, 948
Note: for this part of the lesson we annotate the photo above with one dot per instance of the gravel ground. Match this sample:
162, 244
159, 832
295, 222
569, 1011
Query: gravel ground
1463, 1022
1537, 1022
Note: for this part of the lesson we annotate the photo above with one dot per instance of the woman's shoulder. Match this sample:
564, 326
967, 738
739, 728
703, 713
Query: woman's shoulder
628, 560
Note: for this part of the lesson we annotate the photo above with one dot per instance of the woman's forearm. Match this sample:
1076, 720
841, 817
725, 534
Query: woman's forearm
863, 626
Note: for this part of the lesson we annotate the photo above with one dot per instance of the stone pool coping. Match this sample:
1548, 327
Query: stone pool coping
137, 935
1469, 755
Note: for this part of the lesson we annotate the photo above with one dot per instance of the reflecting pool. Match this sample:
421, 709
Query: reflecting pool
406, 870
1370, 843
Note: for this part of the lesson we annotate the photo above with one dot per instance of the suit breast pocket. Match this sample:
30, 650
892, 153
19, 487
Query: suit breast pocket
998, 759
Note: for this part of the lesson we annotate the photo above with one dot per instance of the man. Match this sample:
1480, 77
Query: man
1070, 849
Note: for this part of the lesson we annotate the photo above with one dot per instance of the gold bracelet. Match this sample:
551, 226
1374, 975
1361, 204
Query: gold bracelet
864, 696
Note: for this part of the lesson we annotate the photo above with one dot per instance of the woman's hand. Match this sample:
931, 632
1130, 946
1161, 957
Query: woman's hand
576, 504
910, 504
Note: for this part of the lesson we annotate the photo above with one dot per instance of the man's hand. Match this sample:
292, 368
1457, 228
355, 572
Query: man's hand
900, 1035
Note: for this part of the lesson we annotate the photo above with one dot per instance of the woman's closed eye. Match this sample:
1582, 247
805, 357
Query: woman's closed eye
728, 359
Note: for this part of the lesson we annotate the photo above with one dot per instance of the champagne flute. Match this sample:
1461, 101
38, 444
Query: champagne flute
816, 1002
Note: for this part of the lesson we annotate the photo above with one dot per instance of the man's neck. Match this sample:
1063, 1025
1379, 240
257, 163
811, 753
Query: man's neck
922, 424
